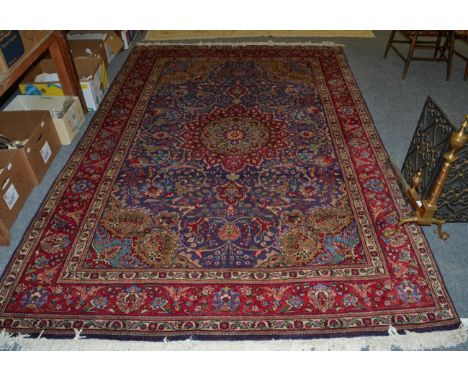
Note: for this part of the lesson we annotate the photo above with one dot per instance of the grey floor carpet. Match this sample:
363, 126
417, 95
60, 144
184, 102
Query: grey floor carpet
395, 106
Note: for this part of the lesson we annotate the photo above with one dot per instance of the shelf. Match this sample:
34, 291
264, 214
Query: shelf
56, 43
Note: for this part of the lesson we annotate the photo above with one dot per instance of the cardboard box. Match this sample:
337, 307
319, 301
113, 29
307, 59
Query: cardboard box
127, 38
15, 44
112, 43
66, 112
11, 49
37, 130
32, 38
93, 79
89, 48
15, 187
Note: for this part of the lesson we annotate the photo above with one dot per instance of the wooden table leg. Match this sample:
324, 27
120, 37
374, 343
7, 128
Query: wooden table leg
66, 71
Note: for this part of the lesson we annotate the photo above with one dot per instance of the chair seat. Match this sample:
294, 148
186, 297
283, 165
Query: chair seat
421, 39
422, 33
462, 35
441, 41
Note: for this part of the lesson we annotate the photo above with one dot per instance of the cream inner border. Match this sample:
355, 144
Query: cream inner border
375, 267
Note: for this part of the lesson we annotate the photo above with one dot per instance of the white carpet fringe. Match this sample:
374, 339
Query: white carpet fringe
407, 341
240, 43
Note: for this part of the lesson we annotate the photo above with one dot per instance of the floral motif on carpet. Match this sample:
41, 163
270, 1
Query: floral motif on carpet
226, 192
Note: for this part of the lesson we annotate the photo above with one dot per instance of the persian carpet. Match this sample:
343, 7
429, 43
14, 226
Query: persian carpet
226, 192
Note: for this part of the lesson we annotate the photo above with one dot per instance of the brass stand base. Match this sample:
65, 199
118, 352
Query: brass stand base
424, 221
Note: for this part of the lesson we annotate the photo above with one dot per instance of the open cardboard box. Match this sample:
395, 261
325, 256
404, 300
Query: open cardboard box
92, 74
37, 129
66, 112
89, 48
112, 42
15, 186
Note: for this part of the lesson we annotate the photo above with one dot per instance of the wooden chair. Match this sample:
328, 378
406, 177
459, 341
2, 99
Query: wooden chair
423, 40
458, 36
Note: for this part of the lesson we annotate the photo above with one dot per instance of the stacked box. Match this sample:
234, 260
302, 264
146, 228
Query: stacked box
66, 112
112, 42
38, 139
15, 186
11, 49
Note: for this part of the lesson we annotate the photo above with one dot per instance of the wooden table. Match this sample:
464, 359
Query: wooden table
56, 43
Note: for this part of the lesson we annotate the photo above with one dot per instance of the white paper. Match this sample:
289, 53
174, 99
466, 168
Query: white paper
46, 77
46, 152
11, 196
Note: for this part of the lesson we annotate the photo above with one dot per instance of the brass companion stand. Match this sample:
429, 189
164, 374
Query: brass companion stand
426, 209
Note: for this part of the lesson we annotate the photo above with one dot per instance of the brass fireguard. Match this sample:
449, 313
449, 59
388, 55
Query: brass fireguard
426, 208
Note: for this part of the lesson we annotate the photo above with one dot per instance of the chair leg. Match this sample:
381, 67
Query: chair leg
389, 43
451, 47
465, 77
410, 54
437, 47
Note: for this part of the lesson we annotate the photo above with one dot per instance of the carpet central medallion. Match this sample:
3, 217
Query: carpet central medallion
235, 136
226, 191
